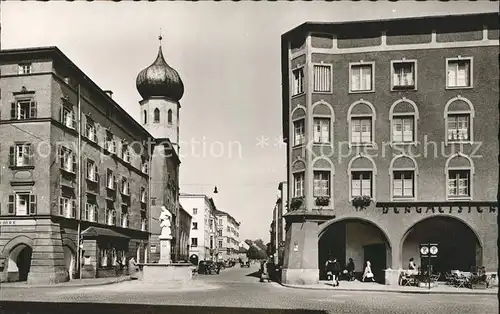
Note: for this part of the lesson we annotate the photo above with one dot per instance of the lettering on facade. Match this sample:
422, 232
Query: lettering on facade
440, 209
20, 222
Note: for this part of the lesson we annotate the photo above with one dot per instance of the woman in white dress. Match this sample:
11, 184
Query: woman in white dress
368, 272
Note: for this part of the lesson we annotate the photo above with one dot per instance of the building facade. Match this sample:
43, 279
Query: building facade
43, 172
228, 235
392, 141
203, 235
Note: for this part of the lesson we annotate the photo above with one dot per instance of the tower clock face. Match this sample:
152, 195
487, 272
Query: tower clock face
424, 250
434, 250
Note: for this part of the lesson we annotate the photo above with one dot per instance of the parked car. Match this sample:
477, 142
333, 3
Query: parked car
245, 264
208, 268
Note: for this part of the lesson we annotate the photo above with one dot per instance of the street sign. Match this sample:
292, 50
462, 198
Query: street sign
429, 250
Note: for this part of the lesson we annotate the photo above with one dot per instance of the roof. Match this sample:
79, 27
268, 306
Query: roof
185, 211
221, 213
54, 53
92, 232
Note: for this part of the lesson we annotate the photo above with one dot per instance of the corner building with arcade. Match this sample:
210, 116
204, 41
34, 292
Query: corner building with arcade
392, 142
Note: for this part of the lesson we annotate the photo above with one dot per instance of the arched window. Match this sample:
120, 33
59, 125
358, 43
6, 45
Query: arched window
298, 122
403, 172
156, 115
403, 116
169, 116
362, 171
361, 119
145, 116
459, 171
323, 171
298, 171
459, 118
323, 117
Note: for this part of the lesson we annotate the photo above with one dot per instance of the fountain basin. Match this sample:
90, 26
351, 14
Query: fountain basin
164, 273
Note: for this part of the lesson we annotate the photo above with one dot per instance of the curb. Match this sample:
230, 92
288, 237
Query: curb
392, 291
91, 284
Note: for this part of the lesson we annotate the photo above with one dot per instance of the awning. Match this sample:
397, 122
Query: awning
92, 232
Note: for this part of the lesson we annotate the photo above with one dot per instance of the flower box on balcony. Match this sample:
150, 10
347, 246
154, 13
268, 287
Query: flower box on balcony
296, 202
361, 202
322, 201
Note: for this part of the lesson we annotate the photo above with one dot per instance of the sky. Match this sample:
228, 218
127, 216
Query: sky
228, 56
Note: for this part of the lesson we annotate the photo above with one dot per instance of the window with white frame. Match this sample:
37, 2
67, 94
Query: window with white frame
298, 81
22, 204
298, 184
403, 184
459, 73
144, 165
322, 78
67, 207
110, 180
321, 184
458, 127
23, 109
402, 128
144, 198
459, 183
361, 130
110, 215
403, 74
361, 183
92, 172
125, 186
90, 212
124, 217
25, 68
322, 130
110, 144
90, 129
67, 159
68, 117
298, 132
361, 78
125, 152
20, 155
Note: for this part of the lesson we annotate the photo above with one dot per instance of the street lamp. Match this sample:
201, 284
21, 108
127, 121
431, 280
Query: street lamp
215, 190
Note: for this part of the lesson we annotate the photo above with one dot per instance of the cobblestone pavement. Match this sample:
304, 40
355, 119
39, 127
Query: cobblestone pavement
237, 287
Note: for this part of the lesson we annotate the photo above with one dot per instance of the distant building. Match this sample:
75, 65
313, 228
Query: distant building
228, 235
203, 235
392, 142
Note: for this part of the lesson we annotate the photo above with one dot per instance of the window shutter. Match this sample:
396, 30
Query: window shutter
32, 204
33, 110
73, 208
13, 114
12, 156
11, 204
29, 155
61, 206
74, 162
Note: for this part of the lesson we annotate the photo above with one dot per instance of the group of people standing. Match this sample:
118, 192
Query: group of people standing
334, 271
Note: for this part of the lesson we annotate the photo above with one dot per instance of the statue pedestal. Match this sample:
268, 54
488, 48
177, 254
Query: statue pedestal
165, 250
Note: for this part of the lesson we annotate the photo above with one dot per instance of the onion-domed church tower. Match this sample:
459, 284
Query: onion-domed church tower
161, 89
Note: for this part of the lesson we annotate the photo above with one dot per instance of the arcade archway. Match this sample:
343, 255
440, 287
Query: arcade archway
193, 259
459, 246
358, 239
19, 262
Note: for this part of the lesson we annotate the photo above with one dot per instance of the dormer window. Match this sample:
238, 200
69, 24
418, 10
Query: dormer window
25, 68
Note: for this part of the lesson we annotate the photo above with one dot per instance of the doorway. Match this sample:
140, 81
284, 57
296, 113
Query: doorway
19, 263
377, 255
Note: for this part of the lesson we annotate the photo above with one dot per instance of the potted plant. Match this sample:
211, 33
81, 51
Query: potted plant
361, 202
322, 201
296, 202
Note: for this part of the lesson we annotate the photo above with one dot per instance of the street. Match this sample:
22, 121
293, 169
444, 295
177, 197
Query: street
239, 287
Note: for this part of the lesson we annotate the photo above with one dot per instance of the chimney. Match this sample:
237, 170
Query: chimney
109, 93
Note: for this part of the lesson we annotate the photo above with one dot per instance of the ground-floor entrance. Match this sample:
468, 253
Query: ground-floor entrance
358, 240
19, 263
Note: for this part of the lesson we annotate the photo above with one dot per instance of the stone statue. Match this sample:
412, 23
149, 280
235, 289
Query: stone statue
165, 223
